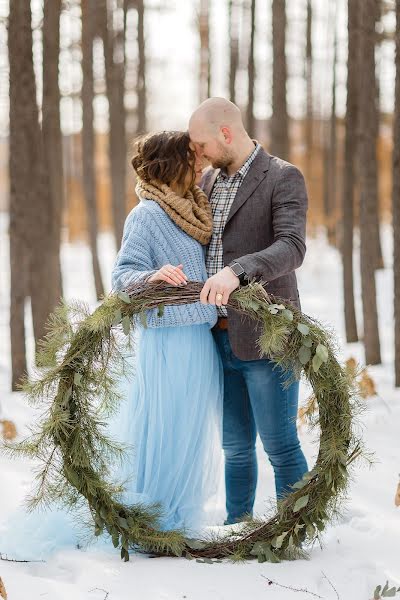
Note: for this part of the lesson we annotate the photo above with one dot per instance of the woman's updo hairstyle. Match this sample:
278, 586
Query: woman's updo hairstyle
165, 157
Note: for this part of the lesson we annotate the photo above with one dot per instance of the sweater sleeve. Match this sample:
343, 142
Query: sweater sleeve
134, 261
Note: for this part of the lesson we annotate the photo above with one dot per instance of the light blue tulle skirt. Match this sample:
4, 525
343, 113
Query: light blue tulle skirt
170, 419
171, 416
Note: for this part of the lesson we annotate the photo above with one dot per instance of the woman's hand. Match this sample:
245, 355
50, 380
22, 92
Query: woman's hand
169, 274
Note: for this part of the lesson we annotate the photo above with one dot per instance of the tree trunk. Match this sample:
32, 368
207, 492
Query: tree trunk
141, 79
251, 73
19, 178
205, 58
88, 138
396, 203
309, 94
51, 127
279, 119
114, 58
350, 150
377, 236
233, 49
31, 242
331, 154
367, 172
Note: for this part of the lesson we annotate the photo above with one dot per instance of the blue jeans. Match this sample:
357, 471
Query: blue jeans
255, 400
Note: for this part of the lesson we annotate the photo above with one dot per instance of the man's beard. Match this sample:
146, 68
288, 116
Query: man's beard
223, 161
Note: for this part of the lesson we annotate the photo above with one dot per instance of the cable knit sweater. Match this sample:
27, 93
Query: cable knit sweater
150, 240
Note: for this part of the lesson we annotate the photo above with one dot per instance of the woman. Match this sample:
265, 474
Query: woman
174, 400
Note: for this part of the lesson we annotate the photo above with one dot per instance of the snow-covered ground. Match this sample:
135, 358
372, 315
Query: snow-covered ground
358, 553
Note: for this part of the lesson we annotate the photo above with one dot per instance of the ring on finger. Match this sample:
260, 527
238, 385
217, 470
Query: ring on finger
219, 296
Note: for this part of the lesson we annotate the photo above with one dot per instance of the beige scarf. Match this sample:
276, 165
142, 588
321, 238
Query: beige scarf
191, 213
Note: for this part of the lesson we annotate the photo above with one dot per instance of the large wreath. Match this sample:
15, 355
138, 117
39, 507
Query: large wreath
79, 364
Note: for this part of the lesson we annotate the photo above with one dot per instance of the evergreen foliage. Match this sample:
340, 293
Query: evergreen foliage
80, 362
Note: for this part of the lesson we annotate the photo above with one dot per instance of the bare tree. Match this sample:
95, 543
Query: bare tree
330, 151
309, 85
19, 55
396, 202
251, 72
205, 58
233, 48
377, 237
350, 150
88, 138
367, 172
51, 128
141, 78
31, 243
112, 33
279, 119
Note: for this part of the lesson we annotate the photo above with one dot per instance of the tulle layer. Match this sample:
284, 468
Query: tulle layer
172, 419
170, 415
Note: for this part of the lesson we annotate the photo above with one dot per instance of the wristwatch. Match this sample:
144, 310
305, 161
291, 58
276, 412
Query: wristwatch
239, 272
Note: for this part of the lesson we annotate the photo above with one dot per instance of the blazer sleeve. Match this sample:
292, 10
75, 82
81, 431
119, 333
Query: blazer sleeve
286, 253
134, 261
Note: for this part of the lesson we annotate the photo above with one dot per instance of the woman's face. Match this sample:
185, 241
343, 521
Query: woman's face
198, 165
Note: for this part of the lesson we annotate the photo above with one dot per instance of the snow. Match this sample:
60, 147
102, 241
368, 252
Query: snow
359, 552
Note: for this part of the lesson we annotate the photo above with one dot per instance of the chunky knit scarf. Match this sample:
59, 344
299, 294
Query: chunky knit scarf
191, 213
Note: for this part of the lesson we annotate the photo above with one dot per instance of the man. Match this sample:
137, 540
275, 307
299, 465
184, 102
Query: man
259, 205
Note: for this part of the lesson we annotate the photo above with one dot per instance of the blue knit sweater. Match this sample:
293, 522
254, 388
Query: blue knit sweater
150, 240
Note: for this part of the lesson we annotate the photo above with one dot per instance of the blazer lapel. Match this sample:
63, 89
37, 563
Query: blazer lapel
256, 174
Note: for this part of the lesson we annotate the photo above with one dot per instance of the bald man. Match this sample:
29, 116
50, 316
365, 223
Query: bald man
259, 205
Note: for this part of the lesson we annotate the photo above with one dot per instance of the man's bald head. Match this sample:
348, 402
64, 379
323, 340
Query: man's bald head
217, 131
215, 113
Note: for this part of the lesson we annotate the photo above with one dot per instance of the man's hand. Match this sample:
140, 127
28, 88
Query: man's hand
219, 287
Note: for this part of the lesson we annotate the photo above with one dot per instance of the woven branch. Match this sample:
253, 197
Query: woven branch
80, 361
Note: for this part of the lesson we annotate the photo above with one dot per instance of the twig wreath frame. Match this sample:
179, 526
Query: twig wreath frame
77, 369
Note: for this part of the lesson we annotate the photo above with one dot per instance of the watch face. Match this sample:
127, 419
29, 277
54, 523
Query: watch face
237, 269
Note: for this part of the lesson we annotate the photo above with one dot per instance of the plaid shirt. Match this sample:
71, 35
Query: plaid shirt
222, 197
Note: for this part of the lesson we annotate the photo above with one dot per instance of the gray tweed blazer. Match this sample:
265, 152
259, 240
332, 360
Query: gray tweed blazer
265, 233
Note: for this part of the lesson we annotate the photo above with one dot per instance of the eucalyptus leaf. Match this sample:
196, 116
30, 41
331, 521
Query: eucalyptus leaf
273, 309
310, 529
123, 522
117, 317
253, 305
160, 312
287, 314
307, 342
299, 484
195, 544
303, 328
304, 355
126, 324
77, 379
389, 593
72, 477
125, 297
301, 503
322, 352
279, 540
377, 592
316, 363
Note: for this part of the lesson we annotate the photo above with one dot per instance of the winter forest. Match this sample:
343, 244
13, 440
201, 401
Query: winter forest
318, 85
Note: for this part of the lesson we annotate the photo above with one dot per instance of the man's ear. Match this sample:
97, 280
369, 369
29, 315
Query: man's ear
226, 132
